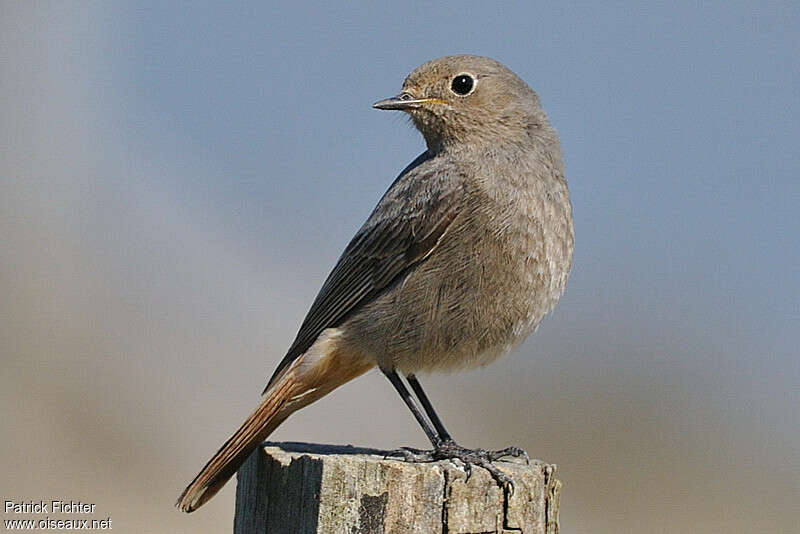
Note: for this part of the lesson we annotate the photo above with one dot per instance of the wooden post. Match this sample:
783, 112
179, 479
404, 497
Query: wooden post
302, 488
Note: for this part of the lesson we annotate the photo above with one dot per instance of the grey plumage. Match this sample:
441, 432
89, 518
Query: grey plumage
494, 172
463, 256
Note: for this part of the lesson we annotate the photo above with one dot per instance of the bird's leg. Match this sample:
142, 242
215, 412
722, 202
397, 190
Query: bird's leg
444, 435
444, 448
397, 382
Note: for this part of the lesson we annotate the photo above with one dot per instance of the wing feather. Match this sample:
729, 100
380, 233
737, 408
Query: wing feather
401, 232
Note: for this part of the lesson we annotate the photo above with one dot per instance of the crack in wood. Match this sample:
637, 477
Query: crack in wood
298, 488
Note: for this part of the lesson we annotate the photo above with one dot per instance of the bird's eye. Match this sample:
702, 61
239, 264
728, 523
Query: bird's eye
462, 84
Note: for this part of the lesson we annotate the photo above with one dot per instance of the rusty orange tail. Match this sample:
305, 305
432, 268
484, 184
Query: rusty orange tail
300, 385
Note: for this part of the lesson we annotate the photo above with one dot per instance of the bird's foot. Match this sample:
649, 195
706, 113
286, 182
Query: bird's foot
450, 450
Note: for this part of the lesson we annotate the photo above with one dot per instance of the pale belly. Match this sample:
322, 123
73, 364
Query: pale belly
482, 292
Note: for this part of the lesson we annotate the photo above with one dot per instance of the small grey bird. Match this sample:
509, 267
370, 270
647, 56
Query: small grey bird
461, 259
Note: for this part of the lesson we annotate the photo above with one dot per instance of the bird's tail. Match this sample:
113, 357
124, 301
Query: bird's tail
300, 385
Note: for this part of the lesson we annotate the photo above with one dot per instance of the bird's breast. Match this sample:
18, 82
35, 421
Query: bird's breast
501, 265
498, 271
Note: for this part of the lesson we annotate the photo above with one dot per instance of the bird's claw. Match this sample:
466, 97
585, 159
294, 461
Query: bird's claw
410, 455
467, 458
516, 452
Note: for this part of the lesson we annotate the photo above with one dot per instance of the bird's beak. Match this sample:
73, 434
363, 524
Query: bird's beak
402, 102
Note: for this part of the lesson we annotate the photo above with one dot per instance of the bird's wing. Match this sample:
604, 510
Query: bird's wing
402, 231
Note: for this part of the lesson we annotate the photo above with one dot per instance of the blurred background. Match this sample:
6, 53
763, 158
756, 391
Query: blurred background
177, 179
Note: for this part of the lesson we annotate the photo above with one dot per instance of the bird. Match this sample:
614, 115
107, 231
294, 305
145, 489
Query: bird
466, 252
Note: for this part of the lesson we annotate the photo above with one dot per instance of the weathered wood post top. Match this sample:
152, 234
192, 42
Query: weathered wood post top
309, 489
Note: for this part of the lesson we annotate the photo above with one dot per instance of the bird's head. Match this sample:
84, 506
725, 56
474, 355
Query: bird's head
468, 101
